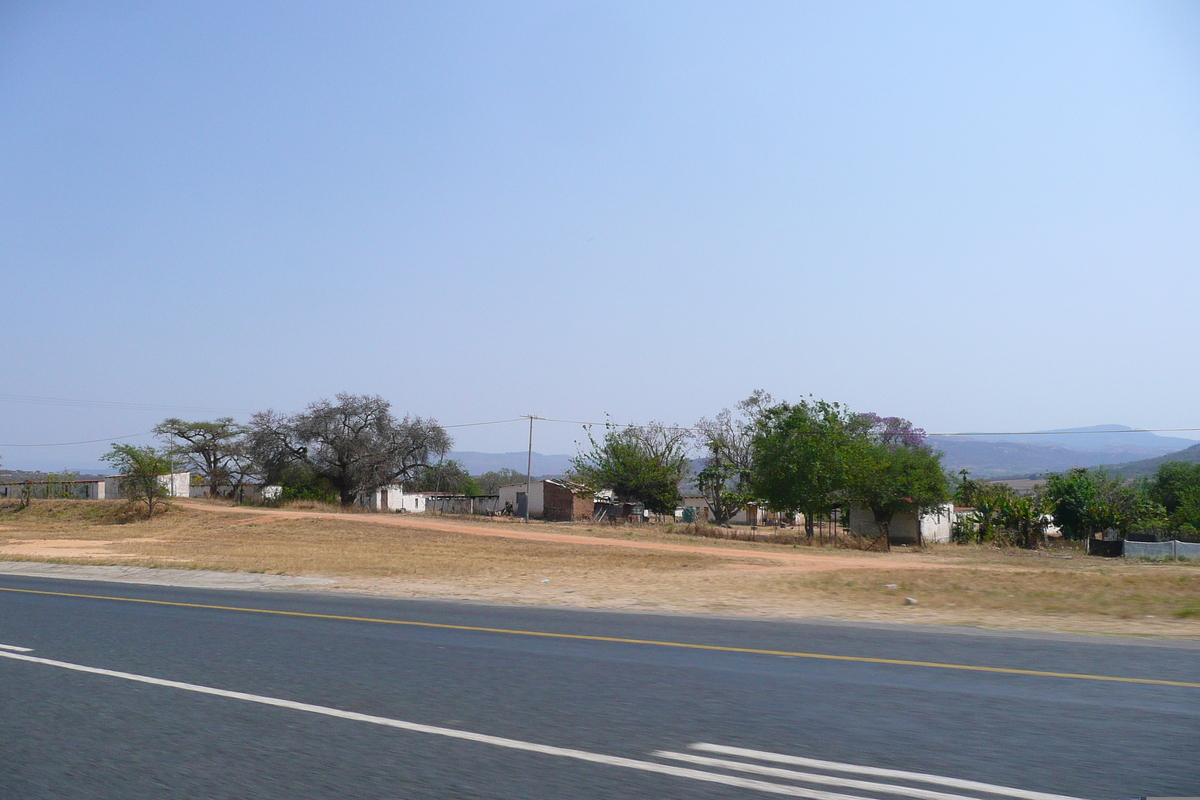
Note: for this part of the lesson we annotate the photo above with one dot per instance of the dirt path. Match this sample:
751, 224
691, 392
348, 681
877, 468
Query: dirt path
804, 562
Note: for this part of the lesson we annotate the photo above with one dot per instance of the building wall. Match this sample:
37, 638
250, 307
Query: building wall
584, 507
463, 504
906, 528
537, 505
937, 524
247, 493
563, 505
397, 500
77, 490
751, 515
177, 484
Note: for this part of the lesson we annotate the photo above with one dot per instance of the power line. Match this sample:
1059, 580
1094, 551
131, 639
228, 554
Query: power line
137, 406
86, 441
63, 401
1061, 433
927, 433
494, 422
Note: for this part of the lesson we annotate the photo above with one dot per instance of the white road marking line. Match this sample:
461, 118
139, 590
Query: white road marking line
513, 744
956, 783
15, 648
810, 777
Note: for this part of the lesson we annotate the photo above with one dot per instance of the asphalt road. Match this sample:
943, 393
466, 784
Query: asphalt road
203, 702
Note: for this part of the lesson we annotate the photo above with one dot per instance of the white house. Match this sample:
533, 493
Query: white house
394, 498
907, 527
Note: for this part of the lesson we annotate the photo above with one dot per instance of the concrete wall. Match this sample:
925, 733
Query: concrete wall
561, 504
177, 484
537, 494
751, 515
77, 490
486, 504
906, 528
247, 493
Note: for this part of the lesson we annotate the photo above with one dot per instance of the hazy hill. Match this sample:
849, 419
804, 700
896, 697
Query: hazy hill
1054, 451
1119, 440
995, 459
17, 475
984, 456
543, 465
1136, 469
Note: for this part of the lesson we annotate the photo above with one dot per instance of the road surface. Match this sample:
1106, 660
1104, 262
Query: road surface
124, 691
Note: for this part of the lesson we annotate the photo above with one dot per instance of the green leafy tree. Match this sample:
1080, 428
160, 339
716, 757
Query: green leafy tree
891, 469
1088, 501
1171, 482
142, 470
1175, 485
61, 484
213, 450
1186, 519
801, 455
722, 489
989, 503
1075, 497
640, 464
1025, 518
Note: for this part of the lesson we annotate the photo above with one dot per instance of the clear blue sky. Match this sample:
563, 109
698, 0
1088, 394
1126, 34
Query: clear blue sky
974, 216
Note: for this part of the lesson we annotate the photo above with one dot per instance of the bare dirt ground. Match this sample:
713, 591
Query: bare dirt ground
643, 568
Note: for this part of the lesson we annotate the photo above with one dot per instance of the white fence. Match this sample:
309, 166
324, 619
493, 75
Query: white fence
1162, 550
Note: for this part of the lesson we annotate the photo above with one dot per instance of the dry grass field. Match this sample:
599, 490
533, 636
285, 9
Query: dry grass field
611, 567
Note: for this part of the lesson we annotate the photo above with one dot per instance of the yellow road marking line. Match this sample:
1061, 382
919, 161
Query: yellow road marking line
621, 640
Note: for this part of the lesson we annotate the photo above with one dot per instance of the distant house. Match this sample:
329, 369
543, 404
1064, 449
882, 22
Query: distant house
907, 527
177, 484
394, 498
550, 499
751, 514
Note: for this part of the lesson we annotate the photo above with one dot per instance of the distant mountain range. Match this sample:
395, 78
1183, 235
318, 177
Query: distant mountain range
1137, 469
985, 456
1126, 451
1053, 451
543, 465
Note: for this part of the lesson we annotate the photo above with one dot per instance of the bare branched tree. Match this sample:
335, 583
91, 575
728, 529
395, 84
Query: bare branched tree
358, 446
270, 446
210, 449
729, 442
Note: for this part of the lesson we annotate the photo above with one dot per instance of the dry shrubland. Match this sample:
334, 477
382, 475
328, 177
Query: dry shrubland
394, 554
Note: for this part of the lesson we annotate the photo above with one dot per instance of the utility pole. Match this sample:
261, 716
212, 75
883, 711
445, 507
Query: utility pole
529, 469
